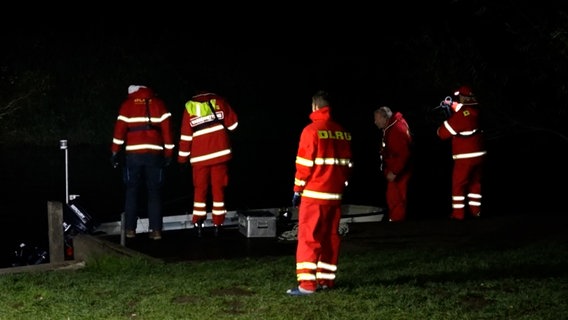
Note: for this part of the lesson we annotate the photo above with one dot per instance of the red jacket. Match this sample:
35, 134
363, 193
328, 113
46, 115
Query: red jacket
204, 139
143, 125
396, 146
323, 161
463, 128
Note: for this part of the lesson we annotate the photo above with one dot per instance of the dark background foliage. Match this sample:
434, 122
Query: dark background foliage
63, 76
66, 75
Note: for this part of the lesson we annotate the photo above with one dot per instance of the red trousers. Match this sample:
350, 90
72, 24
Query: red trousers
317, 252
216, 177
396, 196
466, 187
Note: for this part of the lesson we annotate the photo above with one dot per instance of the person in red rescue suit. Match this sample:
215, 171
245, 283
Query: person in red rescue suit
396, 159
468, 153
143, 131
205, 143
323, 167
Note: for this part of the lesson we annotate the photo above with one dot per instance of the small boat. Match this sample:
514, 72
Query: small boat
351, 213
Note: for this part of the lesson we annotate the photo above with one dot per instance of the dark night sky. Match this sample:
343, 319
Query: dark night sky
346, 47
269, 59
272, 58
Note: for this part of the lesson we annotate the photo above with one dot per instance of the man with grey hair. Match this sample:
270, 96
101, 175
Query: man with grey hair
396, 159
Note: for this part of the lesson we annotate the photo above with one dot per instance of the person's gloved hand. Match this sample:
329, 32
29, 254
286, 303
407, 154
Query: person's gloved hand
296, 199
114, 160
167, 161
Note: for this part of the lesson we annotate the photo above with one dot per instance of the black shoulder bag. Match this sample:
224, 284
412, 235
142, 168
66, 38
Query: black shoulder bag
215, 114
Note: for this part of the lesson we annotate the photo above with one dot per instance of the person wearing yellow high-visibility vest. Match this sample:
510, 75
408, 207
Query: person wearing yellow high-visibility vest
205, 144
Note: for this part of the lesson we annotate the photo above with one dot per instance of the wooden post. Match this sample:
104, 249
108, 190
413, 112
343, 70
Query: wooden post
123, 229
55, 231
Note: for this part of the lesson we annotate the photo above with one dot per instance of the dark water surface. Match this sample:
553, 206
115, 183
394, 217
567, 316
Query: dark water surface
523, 176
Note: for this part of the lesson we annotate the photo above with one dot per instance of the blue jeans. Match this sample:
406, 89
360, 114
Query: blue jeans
143, 170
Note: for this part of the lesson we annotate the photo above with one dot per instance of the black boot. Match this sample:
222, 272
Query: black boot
198, 229
217, 230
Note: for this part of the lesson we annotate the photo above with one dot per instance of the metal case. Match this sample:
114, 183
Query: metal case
257, 224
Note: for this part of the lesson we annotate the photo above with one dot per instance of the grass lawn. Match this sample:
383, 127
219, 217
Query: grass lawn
518, 275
